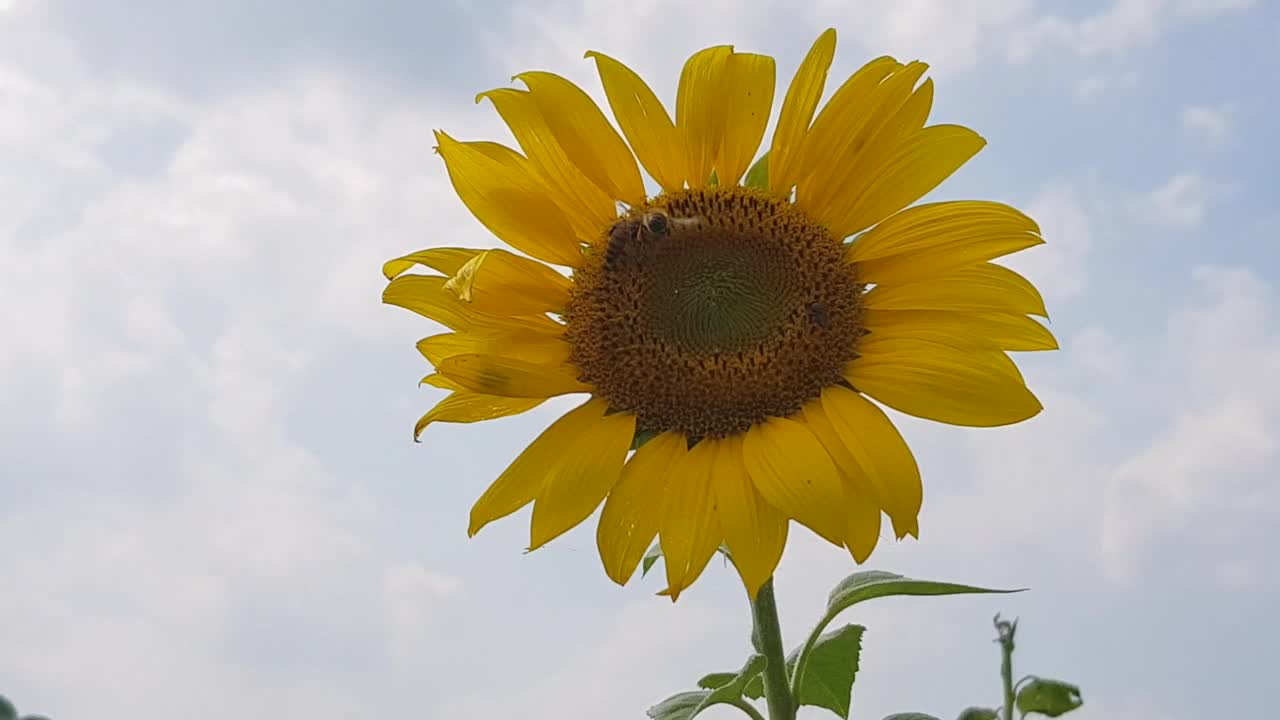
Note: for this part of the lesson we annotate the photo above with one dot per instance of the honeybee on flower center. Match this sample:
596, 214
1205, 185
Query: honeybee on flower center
629, 232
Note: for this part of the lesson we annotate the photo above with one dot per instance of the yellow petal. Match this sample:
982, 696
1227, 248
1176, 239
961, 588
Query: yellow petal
918, 165
427, 296
500, 283
863, 525
795, 474
912, 115
533, 347
447, 260
463, 406
848, 465
689, 532
982, 330
587, 206
898, 115
578, 481
877, 447
845, 131
749, 99
929, 240
977, 388
798, 107
644, 121
501, 189
702, 110
521, 482
633, 510
983, 288
586, 136
754, 530
508, 377
439, 381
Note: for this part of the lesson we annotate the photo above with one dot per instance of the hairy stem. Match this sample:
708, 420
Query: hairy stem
767, 638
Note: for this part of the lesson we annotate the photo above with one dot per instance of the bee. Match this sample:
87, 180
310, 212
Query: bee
819, 315
650, 226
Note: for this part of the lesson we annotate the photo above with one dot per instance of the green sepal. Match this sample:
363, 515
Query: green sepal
650, 557
641, 437
654, 554
758, 175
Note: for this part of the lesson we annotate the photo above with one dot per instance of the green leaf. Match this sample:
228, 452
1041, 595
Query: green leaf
33, 717
876, 583
829, 674
733, 690
758, 175
909, 716
650, 557
7, 710
679, 707
716, 680
1048, 697
979, 713
719, 688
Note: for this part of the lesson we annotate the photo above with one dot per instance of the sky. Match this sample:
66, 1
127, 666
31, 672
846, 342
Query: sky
209, 494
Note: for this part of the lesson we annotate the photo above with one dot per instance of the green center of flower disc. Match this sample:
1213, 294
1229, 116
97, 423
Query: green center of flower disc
705, 298
731, 309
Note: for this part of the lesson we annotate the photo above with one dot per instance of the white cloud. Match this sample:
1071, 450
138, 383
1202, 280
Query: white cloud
951, 36
1059, 267
196, 317
182, 540
1203, 484
1182, 202
631, 666
1100, 352
1093, 86
1209, 8
1214, 125
1117, 28
1125, 24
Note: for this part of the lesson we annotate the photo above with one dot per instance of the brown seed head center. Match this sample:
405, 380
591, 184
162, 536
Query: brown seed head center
709, 311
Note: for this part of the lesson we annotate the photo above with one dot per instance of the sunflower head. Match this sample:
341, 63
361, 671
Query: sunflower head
736, 333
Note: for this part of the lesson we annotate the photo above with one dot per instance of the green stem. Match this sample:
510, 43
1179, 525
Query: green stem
802, 660
747, 708
768, 641
1005, 631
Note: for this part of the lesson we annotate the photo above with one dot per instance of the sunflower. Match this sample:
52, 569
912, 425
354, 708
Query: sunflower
735, 333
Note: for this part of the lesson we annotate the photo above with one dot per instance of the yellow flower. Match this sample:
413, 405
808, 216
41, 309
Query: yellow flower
727, 326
